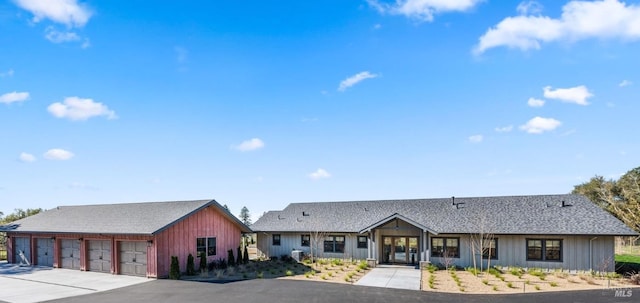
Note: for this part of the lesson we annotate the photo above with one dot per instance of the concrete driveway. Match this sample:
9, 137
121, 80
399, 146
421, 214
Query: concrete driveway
390, 276
37, 284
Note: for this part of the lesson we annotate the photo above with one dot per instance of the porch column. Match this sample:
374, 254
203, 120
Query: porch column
369, 247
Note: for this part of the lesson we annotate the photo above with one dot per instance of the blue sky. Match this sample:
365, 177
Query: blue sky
264, 103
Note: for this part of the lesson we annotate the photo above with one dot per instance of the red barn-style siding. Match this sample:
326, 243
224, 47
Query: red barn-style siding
162, 230
180, 239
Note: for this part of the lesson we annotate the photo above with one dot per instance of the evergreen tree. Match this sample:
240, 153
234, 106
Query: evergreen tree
191, 268
174, 272
245, 216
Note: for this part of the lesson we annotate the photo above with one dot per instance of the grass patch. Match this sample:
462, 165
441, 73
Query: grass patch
553, 284
537, 287
628, 258
485, 281
510, 285
495, 288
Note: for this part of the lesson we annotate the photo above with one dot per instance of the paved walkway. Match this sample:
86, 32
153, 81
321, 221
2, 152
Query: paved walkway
38, 283
389, 276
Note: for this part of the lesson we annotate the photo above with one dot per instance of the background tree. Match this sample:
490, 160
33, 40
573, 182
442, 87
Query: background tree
620, 197
245, 217
16, 215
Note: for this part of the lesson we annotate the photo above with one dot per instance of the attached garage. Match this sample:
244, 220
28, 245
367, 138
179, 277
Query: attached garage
100, 255
133, 258
45, 251
70, 253
22, 246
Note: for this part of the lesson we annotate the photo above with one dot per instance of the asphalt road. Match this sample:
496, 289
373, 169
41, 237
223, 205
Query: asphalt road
282, 291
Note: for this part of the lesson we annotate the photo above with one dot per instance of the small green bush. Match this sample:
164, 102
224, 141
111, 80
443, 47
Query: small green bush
239, 256
288, 273
537, 287
473, 271
495, 288
174, 272
191, 267
230, 258
553, 284
245, 256
203, 261
510, 284
485, 281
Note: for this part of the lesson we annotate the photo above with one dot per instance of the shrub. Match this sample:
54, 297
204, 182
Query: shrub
561, 275
473, 271
537, 287
432, 268
288, 273
219, 273
191, 267
231, 259
174, 272
635, 278
516, 271
245, 256
553, 284
510, 285
495, 288
485, 281
203, 261
239, 255
324, 277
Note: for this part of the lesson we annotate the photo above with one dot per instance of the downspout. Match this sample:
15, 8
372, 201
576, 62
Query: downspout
591, 253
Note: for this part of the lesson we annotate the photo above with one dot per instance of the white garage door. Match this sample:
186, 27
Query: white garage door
133, 258
70, 253
45, 251
22, 248
100, 255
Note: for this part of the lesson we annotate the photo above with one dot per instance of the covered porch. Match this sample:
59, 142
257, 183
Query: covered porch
397, 240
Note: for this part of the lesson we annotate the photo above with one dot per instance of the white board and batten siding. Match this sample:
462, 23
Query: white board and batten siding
512, 251
292, 241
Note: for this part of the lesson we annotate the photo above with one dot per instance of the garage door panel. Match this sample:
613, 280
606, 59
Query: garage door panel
22, 245
133, 258
45, 251
70, 253
100, 255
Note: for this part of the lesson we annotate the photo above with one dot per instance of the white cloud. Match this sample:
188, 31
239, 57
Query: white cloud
529, 8
9, 98
504, 129
377, 26
75, 108
540, 125
26, 157
533, 102
476, 138
355, 79
422, 10
8, 73
58, 154
319, 174
60, 37
250, 145
68, 12
181, 54
577, 95
625, 83
606, 19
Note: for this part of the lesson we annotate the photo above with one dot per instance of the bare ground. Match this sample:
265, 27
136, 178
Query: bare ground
485, 283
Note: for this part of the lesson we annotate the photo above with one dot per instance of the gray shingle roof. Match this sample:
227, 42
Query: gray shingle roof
130, 218
542, 214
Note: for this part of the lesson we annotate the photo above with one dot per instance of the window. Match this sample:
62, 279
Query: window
490, 249
206, 245
441, 247
305, 240
544, 250
362, 242
276, 240
334, 244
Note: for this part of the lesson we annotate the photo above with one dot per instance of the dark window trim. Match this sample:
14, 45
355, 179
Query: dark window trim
274, 241
495, 250
544, 249
363, 244
335, 245
444, 247
302, 241
206, 247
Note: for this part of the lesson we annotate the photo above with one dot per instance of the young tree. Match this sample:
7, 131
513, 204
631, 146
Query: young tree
191, 268
245, 217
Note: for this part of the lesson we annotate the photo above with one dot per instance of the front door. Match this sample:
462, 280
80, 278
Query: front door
400, 250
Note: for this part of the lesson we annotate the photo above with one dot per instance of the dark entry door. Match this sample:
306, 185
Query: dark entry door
400, 250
